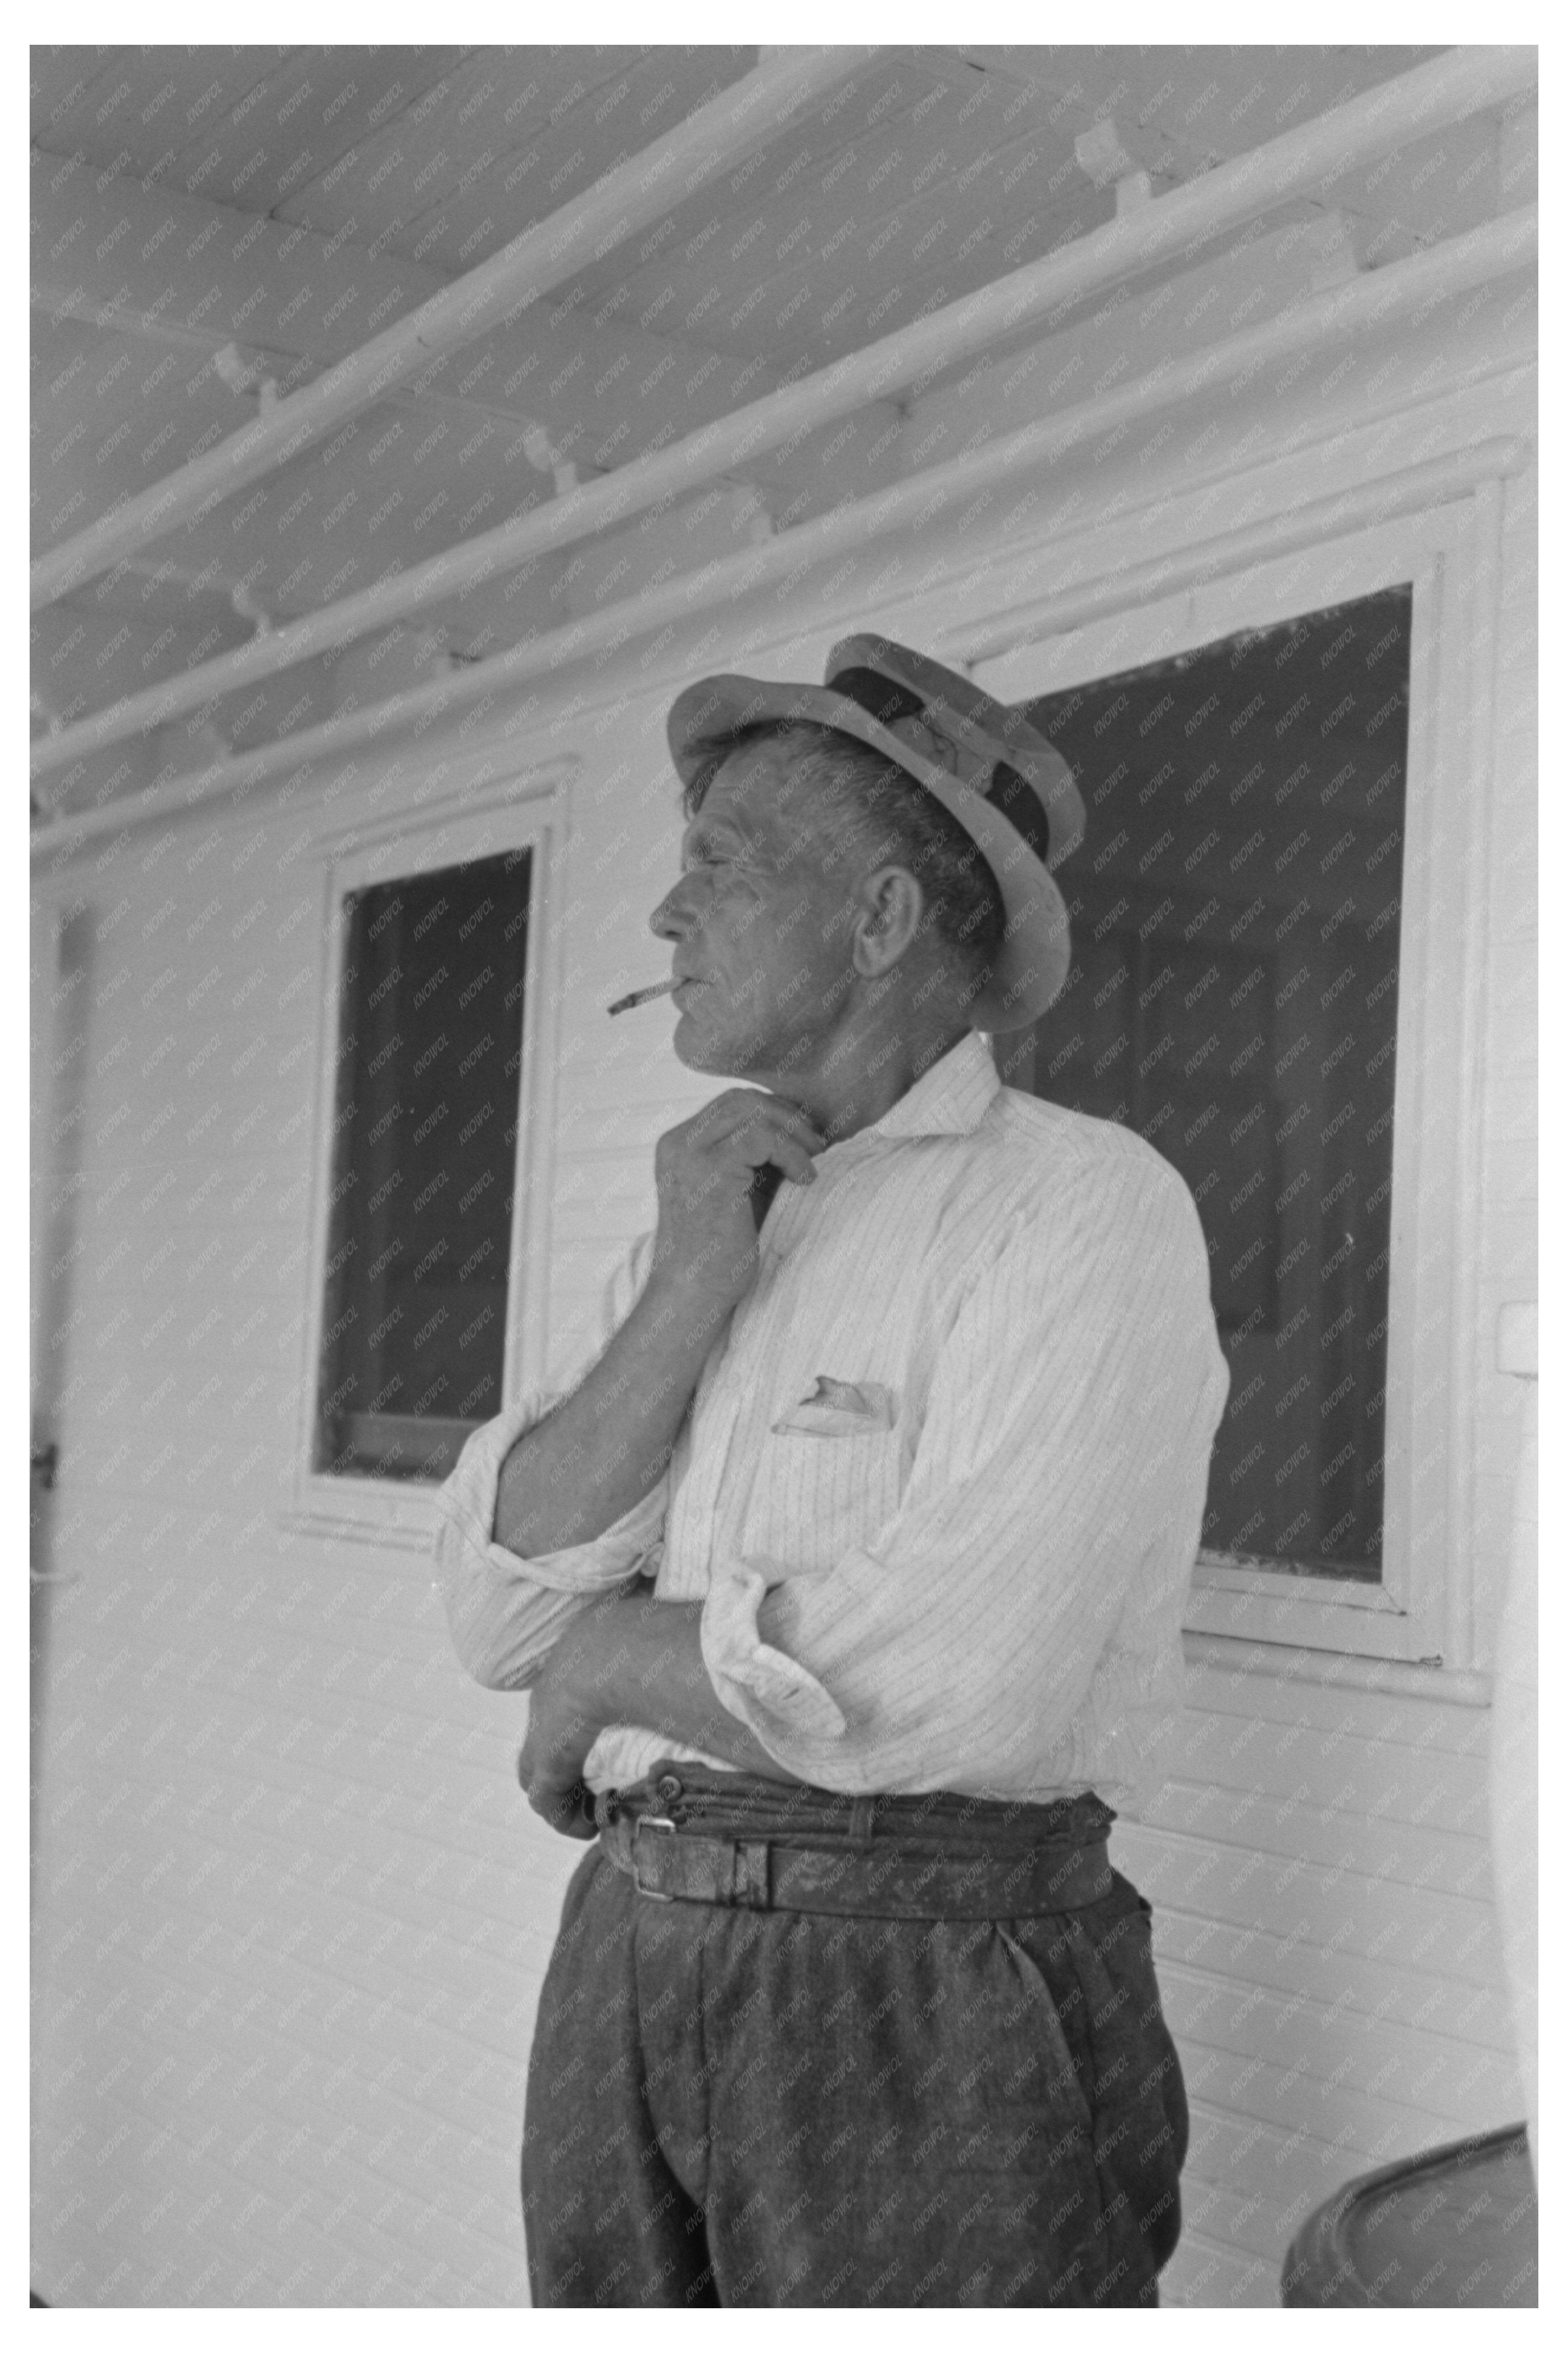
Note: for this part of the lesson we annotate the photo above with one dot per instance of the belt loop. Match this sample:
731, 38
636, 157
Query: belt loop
862, 1819
752, 1878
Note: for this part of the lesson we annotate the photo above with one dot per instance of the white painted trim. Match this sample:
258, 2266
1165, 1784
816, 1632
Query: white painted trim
1478, 579
1422, 1087
1294, 1663
1422, 1610
1278, 1608
1227, 1573
526, 807
1409, 490
527, 1267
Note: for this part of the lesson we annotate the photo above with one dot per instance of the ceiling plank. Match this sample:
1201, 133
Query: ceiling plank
238, 126
507, 140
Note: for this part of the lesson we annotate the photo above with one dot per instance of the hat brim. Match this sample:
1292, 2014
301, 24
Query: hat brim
1031, 969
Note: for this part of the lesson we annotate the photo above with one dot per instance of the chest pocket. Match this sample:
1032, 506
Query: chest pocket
830, 1474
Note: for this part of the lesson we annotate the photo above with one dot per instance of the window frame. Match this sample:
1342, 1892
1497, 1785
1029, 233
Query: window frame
1421, 1610
516, 809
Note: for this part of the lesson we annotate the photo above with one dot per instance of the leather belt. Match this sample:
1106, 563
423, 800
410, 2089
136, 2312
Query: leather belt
879, 1880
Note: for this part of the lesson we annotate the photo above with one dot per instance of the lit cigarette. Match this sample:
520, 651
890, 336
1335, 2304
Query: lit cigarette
642, 995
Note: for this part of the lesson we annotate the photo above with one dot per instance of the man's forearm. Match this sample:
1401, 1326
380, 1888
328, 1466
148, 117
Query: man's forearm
600, 1451
636, 1660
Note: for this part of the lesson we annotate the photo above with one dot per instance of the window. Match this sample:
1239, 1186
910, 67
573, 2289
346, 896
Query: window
1379, 1552
430, 1272
425, 1132
1234, 997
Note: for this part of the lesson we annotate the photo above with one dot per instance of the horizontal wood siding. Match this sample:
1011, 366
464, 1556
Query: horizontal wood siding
1320, 1872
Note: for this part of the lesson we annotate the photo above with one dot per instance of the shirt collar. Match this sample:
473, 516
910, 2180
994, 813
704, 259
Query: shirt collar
951, 1098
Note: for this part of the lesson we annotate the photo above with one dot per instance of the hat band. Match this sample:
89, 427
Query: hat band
884, 698
1007, 793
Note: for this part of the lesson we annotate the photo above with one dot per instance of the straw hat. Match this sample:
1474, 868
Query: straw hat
998, 776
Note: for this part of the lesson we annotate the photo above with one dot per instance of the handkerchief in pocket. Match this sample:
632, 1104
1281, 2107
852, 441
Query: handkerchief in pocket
835, 1409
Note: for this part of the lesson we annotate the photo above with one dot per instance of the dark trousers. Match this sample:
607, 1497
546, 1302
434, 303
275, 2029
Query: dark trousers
730, 2107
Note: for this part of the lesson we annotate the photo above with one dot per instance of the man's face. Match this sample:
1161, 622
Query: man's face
758, 923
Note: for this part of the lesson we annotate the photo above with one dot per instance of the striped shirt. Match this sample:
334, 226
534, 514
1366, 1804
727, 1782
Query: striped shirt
942, 1483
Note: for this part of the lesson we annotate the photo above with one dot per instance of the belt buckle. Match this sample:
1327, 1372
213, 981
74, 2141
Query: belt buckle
650, 1823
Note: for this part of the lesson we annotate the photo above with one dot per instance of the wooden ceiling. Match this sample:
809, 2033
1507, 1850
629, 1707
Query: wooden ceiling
937, 169
203, 219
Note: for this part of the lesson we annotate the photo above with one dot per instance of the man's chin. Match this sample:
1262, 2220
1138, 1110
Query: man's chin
694, 1047
717, 1056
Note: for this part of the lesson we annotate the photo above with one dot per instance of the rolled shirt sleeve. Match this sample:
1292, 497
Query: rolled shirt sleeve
507, 1613
1045, 1537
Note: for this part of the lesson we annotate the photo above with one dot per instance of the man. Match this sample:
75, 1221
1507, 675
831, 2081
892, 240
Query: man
848, 1579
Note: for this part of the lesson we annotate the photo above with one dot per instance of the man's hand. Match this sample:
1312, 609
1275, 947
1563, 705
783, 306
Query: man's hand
600, 1451
705, 1169
549, 1763
631, 1660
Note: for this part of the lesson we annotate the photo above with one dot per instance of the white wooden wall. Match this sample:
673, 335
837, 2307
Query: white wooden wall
1327, 1954
291, 1911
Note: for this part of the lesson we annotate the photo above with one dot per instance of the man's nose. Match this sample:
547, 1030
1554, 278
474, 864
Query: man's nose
673, 917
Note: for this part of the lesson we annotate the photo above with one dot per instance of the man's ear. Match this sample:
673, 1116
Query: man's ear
888, 918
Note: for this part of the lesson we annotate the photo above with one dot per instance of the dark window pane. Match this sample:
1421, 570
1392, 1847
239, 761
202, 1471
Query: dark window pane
429, 1062
1234, 998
